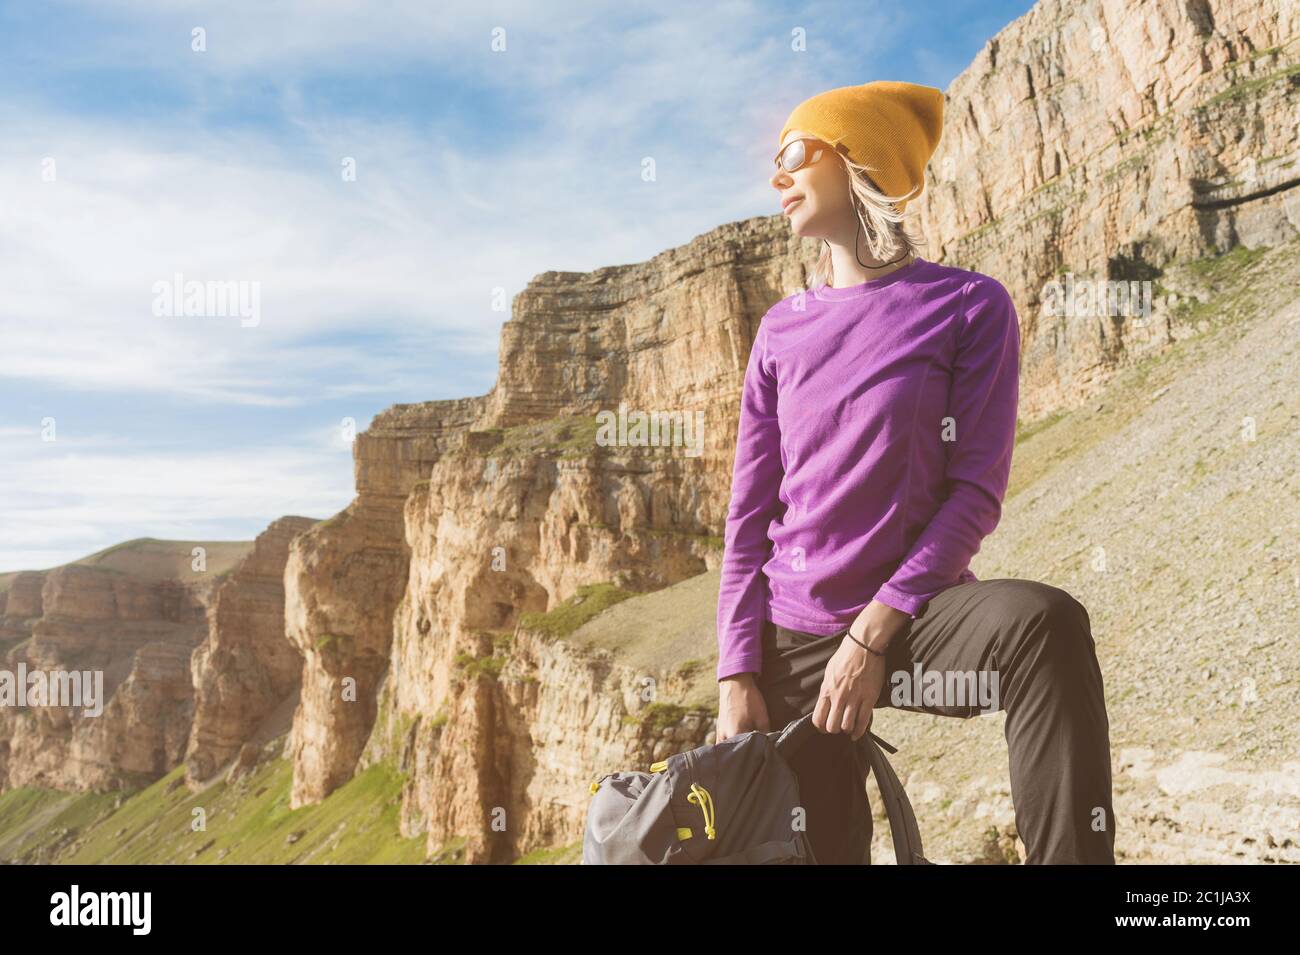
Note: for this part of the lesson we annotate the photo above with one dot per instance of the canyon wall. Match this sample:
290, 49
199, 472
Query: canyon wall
246, 671
1106, 139
188, 639
342, 583
138, 633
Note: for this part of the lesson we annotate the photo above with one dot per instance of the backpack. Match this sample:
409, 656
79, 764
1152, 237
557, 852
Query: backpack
727, 803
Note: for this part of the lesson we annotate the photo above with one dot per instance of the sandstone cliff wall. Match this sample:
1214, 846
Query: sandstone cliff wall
139, 635
136, 614
246, 670
1106, 139
342, 583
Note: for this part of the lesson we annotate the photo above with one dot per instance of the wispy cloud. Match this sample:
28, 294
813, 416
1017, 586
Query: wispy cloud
64, 499
476, 169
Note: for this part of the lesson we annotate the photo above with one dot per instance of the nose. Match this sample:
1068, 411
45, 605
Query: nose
780, 179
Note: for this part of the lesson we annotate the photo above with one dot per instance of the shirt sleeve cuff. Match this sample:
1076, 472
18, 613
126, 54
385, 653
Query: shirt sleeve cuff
908, 604
739, 665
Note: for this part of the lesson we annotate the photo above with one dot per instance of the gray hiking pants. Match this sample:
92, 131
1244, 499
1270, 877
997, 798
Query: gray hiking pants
1033, 644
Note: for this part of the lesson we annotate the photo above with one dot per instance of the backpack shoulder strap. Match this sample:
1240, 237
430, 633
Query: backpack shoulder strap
902, 820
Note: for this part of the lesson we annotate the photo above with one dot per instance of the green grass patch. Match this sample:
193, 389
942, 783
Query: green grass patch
245, 822
688, 668
564, 436
327, 640
1218, 269
590, 601
1251, 87
471, 666
658, 717
1025, 431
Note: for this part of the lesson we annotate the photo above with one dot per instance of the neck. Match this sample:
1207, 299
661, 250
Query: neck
847, 269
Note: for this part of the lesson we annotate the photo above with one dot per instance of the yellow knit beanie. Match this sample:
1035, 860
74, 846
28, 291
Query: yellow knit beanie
889, 126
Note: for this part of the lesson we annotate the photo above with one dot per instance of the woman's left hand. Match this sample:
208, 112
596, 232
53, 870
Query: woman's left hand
854, 677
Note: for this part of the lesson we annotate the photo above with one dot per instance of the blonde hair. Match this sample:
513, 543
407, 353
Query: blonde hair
890, 234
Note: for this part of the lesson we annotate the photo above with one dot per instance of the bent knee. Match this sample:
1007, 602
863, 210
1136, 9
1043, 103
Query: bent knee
1045, 610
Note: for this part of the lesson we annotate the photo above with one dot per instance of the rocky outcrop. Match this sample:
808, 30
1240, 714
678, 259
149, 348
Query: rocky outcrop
343, 581
517, 723
247, 669
127, 620
21, 607
136, 636
1105, 139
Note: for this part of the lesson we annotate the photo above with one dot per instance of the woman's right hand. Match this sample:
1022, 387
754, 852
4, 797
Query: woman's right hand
741, 706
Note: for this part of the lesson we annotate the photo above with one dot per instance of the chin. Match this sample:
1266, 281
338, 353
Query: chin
801, 230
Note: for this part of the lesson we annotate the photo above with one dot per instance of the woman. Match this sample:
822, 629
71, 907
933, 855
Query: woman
876, 431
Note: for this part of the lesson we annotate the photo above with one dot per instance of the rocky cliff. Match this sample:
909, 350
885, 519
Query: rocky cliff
343, 580
1106, 139
1173, 536
131, 614
246, 674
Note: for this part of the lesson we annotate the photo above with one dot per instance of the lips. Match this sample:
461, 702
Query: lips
791, 203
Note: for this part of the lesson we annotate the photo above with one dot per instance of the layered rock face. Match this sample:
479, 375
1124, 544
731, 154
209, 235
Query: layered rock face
20, 607
137, 636
495, 535
1105, 139
1102, 140
188, 639
512, 509
246, 670
342, 583
665, 336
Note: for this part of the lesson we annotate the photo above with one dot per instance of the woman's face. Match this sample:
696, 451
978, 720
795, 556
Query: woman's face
816, 197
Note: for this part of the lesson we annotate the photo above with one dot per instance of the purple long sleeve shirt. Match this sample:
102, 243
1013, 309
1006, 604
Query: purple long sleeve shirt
877, 423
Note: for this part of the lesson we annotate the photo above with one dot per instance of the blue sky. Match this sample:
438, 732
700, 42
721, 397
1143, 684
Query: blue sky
129, 157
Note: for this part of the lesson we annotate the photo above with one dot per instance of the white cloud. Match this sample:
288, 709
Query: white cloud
62, 500
377, 287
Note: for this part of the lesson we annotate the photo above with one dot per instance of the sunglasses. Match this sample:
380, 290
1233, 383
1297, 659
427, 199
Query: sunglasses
796, 155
